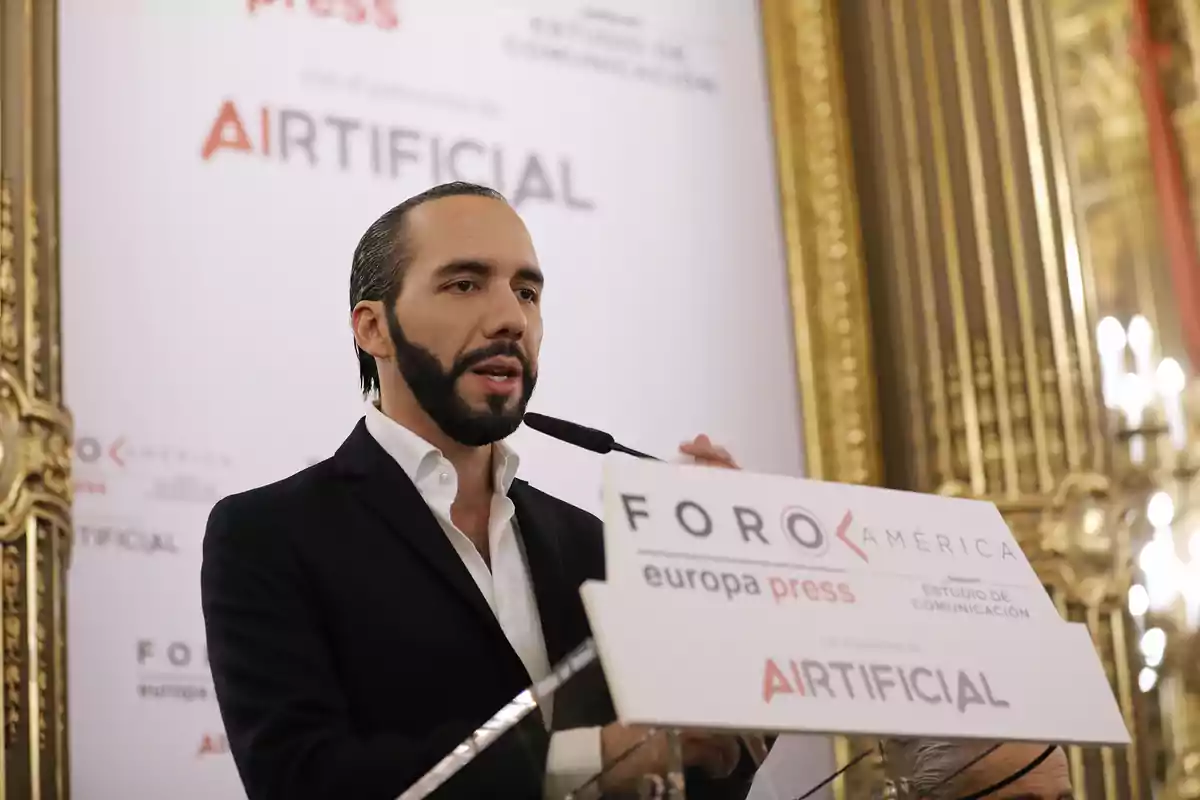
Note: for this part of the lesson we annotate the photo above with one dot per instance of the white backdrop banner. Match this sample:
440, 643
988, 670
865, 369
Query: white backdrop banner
220, 159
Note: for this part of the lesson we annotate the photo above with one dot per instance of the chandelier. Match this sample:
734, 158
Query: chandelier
1153, 408
1148, 396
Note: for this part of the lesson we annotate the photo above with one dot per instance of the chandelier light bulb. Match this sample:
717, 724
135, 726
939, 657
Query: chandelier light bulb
1171, 380
1170, 377
1140, 335
1160, 510
1110, 336
1146, 679
1161, 569
1148, 558
1139, 600
1154, 645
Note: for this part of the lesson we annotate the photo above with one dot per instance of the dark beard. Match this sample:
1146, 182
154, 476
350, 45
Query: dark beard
436, 388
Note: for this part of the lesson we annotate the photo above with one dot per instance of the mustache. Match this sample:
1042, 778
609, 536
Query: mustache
495, 350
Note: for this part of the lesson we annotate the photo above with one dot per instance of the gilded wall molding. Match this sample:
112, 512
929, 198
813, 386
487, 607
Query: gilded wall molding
35, 428
824, 252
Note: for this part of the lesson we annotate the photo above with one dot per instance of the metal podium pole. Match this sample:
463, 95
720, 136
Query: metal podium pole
500, 723
676, 790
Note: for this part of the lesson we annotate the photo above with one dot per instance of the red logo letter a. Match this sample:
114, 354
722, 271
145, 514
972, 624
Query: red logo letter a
227, 132
774, 681
207, 745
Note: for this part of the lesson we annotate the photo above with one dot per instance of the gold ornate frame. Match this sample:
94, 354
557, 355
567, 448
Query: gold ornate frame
35, 427
827, 272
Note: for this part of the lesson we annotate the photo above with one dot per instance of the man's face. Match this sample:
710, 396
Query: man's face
1050, 780
467, 326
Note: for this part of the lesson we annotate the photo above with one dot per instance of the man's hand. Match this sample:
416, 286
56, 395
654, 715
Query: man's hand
710, 455
716, 754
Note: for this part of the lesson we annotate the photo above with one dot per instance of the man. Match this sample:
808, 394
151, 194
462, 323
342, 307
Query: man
365, 615
953, 770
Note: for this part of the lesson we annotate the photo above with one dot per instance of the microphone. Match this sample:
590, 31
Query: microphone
580, 435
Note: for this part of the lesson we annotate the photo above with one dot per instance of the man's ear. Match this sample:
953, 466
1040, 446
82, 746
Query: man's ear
369, 324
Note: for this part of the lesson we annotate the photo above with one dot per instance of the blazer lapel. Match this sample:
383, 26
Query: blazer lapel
584, 700
380, 484
564, 625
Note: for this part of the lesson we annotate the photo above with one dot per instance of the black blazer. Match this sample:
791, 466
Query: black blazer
350, 649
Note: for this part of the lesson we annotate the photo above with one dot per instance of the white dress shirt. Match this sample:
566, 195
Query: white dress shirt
574, 755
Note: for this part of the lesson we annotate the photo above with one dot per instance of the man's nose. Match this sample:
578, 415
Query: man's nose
506, 315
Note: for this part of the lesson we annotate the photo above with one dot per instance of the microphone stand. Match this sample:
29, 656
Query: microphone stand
676, 781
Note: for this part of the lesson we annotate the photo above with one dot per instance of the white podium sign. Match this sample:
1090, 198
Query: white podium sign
755, 602
768, 541
697, 665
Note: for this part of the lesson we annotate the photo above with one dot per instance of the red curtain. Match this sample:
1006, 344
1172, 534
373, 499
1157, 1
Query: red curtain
1178, 230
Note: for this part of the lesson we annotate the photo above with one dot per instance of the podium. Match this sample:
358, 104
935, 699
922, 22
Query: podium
750, 605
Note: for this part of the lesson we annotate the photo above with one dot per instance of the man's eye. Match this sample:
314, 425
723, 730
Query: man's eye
462, 287
528, 295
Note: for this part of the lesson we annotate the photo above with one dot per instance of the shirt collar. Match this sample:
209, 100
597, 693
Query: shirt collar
418, 458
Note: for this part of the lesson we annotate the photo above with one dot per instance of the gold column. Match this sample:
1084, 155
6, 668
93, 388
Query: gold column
35, 428
824, 251
982, 295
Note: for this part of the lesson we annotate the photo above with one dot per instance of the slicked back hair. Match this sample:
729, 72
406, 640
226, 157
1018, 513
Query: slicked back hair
383, 254
929, 764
